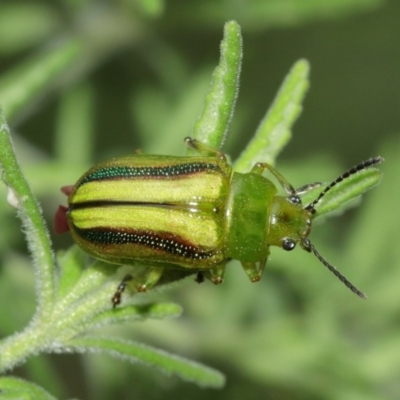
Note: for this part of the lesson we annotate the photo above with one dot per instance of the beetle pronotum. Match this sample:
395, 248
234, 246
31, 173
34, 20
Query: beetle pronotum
191, 213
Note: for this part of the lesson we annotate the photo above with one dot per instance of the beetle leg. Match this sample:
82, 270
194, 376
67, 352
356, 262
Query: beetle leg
202, 147
253, 270
116, 299
308, 187
262, 265
216, 274
199, 277
141, 284
259, 168
149, 279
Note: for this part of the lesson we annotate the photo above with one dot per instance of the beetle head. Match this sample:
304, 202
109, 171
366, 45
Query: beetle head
290, 222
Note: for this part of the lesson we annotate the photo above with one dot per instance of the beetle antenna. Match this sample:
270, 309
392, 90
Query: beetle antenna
351, 171
308, 246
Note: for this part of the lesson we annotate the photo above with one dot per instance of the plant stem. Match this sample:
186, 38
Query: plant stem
21, 197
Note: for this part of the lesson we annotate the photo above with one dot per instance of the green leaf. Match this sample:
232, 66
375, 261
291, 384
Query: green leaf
346, 190
71, 263
32, 78
17, 388
170, 364
175, 114
274, 130
152, 8
212, 126
74, 133
131, 313
75, 287
23, 25
21, 197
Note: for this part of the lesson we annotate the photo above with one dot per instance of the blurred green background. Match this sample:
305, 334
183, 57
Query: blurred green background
83, 80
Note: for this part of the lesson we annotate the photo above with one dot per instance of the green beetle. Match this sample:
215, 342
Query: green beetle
191, 213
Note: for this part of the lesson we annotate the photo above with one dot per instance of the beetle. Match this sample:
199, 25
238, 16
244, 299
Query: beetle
191, 213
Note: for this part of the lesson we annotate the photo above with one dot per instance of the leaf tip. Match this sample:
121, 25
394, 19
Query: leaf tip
302, 67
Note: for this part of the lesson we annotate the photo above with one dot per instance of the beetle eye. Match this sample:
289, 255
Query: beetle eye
294, 199
288, 244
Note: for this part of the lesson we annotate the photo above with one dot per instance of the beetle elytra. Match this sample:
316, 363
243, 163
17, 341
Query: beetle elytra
190, 213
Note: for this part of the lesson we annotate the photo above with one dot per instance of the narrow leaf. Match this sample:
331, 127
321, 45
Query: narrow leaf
16, 388
71, 264
132, 313
170, 364
343, 192
74, 133
23, 84
275, 129
212, 126
90, 281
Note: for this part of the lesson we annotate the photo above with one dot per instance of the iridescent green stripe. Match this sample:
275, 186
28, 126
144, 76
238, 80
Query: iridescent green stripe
162, 172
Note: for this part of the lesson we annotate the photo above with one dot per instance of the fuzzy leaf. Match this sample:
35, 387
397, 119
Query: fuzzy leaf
211, 128
274, 130
135, 352
349, 189
16, 388
132, 313
72, 262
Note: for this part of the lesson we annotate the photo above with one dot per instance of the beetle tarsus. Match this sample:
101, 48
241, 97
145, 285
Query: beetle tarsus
141, 288
199, 277
116, 299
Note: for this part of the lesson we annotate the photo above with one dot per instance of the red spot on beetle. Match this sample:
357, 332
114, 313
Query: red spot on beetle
67, 190
60, 218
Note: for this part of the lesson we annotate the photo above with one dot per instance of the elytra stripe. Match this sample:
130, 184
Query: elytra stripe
167, 172
167, 243
202, 187
200, 229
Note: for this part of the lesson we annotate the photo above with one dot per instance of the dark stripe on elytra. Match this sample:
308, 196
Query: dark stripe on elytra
165, 172
168, 243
